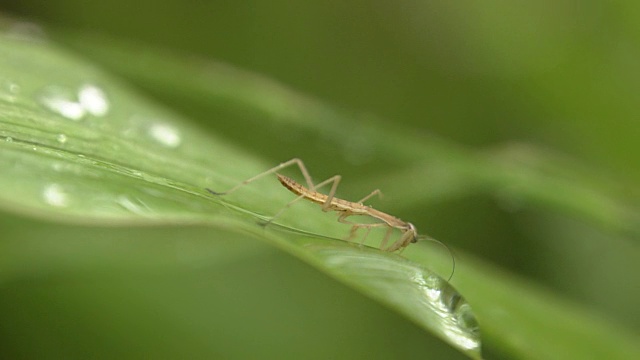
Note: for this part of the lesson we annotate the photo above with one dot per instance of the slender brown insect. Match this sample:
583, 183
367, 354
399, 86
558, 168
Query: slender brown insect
344, 207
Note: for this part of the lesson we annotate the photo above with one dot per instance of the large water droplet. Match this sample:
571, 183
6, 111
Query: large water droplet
165, 134
408, 287
93, 100
55, 195
460, 324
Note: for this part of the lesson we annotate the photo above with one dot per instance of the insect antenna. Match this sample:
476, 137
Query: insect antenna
453, 259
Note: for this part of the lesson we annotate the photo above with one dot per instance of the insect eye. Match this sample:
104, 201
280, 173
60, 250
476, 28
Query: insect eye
414, 240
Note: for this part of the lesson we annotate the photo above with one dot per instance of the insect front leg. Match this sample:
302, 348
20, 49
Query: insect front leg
403, 242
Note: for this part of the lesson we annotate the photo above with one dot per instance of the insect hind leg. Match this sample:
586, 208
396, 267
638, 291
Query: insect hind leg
286, 164
335, 180
283, 209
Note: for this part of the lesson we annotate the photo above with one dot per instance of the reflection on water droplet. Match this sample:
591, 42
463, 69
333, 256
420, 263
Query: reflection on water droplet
460, 324
61, 102
55, 195
62, 138
465, 317
8, 139
93, 100
167, 135
135, 206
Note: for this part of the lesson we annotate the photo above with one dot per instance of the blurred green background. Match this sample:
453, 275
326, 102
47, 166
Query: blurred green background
561, 76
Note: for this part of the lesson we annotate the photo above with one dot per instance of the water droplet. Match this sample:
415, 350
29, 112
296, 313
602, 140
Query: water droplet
14, 88
460, 324
89, 99
165, 134
93, 100
8, 139
9, 90
61, 102
414, 290
55, 195
57, 166
62, 138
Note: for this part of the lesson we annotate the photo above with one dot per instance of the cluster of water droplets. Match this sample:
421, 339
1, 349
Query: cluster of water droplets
88, 100
78, 135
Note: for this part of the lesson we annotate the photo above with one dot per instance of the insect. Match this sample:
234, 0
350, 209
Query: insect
345, 208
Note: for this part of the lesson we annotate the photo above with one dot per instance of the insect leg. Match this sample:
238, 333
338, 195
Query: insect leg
355, 226
352, 232
354, 229
294, 161
402, 242
288, 205
336, 180
386, 238
374, 192
365, 234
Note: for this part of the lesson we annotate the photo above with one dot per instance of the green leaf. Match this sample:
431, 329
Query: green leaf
79, 146
138, 162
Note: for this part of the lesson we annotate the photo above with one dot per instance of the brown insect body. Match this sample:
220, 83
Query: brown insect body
343, 207
349, 208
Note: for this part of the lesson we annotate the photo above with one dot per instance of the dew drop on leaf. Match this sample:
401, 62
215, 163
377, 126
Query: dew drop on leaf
411, 289
55, 195
9, 91
94, 100
62, 102
165, 134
